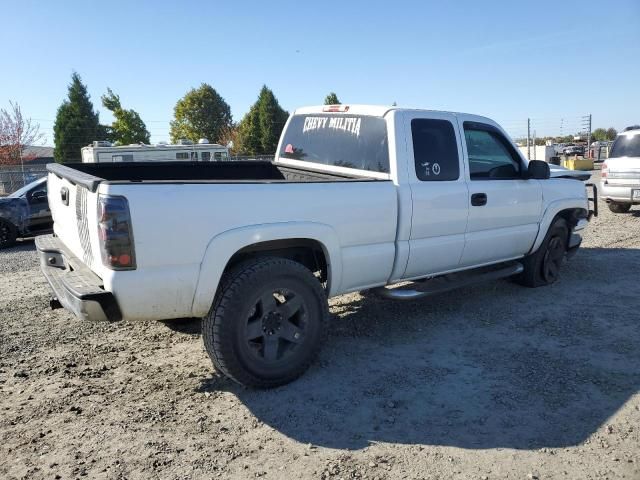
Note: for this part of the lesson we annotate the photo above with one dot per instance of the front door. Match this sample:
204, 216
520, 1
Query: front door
504, 206
39, 213
439, 193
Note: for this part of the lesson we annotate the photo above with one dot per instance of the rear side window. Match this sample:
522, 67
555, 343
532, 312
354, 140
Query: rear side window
182, 155
435, 150
351, 141
206, 156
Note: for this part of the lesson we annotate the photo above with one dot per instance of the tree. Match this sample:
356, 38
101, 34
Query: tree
260, 129
77, 125
599, 134
127, 127
331, 99
16, 133
201, 113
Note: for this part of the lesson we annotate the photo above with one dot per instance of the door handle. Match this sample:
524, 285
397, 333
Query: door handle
478, 199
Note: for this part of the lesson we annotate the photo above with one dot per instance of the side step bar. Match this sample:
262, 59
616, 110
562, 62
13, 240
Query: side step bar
450, 281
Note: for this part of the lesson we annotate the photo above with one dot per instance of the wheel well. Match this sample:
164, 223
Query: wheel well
305, 251
572, 216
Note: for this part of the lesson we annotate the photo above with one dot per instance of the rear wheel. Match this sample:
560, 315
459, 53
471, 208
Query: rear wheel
619, 207
267, 322
8, 233
543, 266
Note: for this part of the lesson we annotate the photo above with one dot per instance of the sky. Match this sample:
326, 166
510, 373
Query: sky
551, 61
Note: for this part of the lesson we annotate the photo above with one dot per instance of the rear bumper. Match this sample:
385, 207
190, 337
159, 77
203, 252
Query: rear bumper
618, 193
75, 286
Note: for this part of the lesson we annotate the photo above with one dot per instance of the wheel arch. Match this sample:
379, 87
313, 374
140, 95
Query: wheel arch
566, 209
309, 243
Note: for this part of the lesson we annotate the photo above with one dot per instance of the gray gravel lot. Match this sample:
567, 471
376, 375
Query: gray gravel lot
496, 381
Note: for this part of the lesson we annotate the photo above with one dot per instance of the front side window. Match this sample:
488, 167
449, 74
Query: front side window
206, 156
182, 155
626, 146
340, 140
217, 156
491, 156
122, 158
435, 150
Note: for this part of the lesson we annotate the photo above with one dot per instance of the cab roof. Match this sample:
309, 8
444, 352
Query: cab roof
373, 110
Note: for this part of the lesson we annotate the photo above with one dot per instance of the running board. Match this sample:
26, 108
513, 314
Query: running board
451, 281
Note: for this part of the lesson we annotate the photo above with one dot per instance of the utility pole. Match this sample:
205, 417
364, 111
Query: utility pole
586, 125
528, 139
534, 145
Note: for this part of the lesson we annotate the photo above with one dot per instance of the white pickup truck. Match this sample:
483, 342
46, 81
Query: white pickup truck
358, 198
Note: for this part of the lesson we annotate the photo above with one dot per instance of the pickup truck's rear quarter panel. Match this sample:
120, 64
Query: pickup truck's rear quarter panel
175, 225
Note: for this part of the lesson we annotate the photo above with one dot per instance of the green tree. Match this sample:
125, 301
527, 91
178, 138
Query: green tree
127, 126
260, 129
611, 133
599, 134
201, 113
76, 124
331, 99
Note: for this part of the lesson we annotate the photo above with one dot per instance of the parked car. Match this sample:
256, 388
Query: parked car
574, 150
620, 175
358, 198
25, 213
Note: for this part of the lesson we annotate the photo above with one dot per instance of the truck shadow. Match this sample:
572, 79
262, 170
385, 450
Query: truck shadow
493, 366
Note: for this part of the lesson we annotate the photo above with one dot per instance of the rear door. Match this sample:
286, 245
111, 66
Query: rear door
439, 193
504, 207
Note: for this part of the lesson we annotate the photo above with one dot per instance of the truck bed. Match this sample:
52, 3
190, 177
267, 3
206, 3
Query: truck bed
90, 175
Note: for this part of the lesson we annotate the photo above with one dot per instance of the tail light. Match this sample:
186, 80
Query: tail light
604, 172
115, 233
336, 108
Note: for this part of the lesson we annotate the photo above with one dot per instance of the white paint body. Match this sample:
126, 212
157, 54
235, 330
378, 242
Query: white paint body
620, 180
373, 233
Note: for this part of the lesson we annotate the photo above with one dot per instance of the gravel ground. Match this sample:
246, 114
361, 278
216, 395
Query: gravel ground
496, 381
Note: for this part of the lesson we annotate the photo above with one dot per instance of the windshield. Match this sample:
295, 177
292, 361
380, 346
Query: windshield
351, 141
626, 146
25, 189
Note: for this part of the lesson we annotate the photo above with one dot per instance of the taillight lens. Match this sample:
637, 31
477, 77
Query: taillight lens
115, 233
604, 172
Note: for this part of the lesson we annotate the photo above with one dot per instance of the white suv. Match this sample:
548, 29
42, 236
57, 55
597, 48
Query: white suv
620, 180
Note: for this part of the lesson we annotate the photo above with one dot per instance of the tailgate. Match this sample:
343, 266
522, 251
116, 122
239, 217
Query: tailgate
74, 211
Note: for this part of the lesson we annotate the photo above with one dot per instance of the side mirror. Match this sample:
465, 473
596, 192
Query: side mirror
39, 196
538, 170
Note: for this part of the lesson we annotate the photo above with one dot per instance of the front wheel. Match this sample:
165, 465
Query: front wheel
619, 207
267, 322
543, 267
8, 233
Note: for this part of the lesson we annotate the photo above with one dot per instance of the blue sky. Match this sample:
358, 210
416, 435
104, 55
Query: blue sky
551, 61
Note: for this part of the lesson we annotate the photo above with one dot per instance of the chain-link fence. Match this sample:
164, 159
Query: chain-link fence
14, 177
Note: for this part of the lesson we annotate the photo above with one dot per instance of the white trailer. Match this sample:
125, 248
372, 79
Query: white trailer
203, 151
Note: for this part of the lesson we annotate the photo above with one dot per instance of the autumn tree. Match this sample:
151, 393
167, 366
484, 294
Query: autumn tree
127, 126
331, 99
260, 129
201, 113
77, 124
16, 133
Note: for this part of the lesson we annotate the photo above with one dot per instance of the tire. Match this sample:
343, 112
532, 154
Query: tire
619, 207
8, 233
543, 267
267, 323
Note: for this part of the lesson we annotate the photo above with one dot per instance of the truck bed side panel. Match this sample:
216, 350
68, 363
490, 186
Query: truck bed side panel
174, 224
